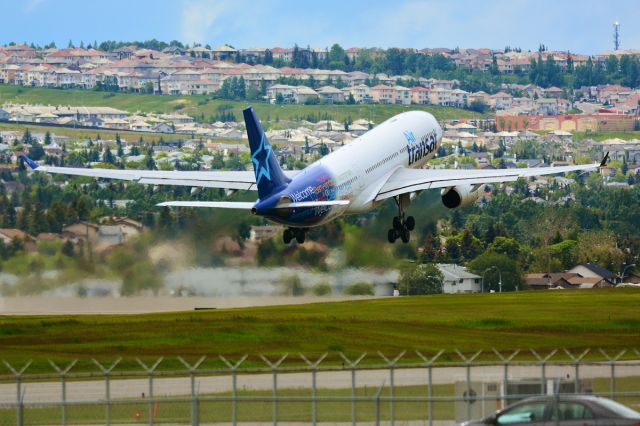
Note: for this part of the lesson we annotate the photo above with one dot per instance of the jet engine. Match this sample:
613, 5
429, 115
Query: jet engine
460, 196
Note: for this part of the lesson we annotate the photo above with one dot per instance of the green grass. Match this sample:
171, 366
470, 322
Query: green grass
541, 320
199, 104
601, 136
212, 410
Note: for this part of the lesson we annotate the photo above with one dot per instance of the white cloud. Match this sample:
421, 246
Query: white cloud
33, 5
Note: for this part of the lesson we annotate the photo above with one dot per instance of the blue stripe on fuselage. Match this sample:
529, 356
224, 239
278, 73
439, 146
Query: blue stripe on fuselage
313, 184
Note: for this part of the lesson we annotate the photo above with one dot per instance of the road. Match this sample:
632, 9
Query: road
94, 390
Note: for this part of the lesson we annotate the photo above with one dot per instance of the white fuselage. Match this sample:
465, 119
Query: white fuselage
360, 168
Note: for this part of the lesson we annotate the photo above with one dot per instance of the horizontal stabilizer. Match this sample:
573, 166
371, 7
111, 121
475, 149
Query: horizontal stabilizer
209, 204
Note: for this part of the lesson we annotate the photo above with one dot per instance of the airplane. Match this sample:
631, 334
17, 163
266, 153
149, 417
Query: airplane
384, 163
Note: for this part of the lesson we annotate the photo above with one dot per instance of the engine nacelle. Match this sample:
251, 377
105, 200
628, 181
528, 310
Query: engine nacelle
460, 196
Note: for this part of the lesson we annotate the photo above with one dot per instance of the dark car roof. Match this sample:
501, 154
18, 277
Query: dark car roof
563, 397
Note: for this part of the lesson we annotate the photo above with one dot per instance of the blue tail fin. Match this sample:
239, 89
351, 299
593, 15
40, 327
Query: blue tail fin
269, 175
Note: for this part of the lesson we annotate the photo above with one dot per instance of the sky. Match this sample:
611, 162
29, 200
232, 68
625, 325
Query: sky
580, 26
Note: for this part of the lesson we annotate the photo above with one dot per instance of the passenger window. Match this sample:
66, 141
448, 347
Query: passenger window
572, 411
526, 413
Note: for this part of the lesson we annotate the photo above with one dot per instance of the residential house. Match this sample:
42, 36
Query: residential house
593, 270
330, 94
459, 98
283, 90
282, 54
81, 231
263, 232
440, 96
402, 95
7, 235
501, 100
361, 93
303, 93
419, 95
458, 280
383, 94
548, 280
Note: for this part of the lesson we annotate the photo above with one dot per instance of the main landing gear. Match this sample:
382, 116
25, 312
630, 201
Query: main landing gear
298, 233
402, 226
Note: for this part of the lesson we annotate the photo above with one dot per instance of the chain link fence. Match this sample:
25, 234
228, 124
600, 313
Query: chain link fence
436, 388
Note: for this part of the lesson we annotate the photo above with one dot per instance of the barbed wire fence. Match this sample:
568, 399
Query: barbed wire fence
431, 388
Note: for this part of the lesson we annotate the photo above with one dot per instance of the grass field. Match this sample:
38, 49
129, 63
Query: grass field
213, 408
601, 136
199, 104
541, 320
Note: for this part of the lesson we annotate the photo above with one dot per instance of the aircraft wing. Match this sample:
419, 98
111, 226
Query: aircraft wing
219, 179
406, 180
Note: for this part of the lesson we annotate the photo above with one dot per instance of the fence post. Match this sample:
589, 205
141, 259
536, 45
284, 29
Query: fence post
352, 366
274, 370
576, 362
150, 371
314, 395
392, 365
194, 399
467, 393
18, 373
234, 386
542, 360
63, 380
428, 363
378, 403
505, 362
612, 362
107, 390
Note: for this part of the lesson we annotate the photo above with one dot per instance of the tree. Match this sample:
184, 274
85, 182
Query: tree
359, 289
67, 248
107, 156
36, 152
478, 105
507, 246
321, 289
47, 138
424, 278
495, 266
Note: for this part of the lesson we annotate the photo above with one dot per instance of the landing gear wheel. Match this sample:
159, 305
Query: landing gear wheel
300, 236
397, 223
410, 223
287, 236
392, 236
405, 235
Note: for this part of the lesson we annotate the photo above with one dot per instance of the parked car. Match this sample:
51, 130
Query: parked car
565, 410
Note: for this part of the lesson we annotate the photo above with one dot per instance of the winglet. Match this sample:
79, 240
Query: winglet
30, 162
604, 161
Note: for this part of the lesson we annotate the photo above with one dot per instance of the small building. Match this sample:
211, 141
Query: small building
592, 270
548, 280
458, 280
264, 232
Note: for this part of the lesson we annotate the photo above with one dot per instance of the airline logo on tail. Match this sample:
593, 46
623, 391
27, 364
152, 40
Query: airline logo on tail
260, 159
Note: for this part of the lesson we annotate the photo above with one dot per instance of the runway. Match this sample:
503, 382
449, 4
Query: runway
144, 305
